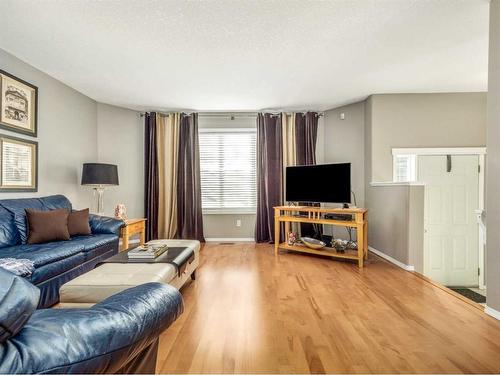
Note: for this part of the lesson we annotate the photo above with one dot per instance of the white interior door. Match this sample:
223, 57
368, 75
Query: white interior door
451, 230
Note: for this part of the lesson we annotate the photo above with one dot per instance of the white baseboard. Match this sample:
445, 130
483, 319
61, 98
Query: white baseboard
492, 312
222, 239
391, 259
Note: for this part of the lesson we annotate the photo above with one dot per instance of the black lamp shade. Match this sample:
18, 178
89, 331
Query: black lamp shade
99, 174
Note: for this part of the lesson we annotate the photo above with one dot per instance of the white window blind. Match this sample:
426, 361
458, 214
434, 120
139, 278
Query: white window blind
405, 168
228, 170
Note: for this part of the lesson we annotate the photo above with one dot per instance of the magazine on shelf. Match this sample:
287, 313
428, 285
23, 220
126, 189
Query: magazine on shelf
147, 252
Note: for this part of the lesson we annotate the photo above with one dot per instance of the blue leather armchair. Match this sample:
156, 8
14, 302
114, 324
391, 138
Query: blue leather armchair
56, 262
118, 335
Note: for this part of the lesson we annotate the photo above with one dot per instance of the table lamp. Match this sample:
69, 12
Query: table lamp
99, 176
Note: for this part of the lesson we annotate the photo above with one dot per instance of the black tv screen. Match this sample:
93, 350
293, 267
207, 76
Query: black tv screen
323, 183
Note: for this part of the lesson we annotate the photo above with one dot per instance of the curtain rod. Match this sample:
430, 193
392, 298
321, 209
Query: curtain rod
229, 114
319, 114
233, 115
160, 113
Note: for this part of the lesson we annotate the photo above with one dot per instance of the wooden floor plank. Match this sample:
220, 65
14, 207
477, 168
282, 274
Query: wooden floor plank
250, 311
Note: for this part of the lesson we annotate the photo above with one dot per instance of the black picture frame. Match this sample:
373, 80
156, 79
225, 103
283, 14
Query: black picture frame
34, 166
11, 127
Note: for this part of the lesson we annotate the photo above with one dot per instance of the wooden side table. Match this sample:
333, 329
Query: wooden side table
133, 226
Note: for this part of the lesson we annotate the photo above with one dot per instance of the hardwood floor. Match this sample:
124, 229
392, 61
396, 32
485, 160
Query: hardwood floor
250, 312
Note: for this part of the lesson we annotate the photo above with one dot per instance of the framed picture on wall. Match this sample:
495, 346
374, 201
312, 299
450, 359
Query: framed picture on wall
18, 164
18, 105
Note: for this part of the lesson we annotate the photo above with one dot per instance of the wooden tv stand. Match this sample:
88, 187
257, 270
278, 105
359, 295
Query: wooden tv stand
315, 215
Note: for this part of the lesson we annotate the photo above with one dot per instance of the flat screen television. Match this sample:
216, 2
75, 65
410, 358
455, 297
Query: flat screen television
323, 183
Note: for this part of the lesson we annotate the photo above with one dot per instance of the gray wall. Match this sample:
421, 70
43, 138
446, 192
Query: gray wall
120, 140
67, 134
224, 226
344, 142
396, 222
388, 220
416, 204
368, 141
423, 120
493, 163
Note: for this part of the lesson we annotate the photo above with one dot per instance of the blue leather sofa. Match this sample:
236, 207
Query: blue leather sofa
55, 262
117, 335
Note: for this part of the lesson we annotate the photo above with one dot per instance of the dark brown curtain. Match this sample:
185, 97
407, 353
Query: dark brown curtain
306, 133
189, 210
269, 174
150, 177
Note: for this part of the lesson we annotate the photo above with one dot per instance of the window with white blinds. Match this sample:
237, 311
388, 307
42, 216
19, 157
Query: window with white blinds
228, 170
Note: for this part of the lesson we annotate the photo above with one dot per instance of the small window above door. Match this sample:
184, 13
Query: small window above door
405, 168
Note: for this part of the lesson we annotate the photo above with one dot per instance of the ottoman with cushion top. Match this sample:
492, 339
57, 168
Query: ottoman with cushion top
111, 278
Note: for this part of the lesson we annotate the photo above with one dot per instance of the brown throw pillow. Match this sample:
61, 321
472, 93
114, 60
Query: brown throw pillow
78, 222
46, 226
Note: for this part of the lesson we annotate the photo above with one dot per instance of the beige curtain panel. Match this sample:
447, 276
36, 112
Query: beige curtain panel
288, 132
167, 143
289, 153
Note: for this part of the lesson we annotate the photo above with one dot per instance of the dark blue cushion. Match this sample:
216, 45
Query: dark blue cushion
18, 301
56, 268
17, 207
42, 254
97, 244
54, 202
96, 340
92, 241
105, 225
9, 235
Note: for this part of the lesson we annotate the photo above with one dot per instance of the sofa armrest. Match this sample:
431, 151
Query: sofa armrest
105, 225
18, 301
96, 340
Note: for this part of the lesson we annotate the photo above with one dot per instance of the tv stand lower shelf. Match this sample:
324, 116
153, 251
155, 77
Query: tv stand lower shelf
326, 251
316, 215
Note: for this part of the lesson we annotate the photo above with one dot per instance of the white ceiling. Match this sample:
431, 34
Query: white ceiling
250, 55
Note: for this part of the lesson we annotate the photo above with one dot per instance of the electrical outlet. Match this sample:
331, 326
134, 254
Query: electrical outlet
238, 223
